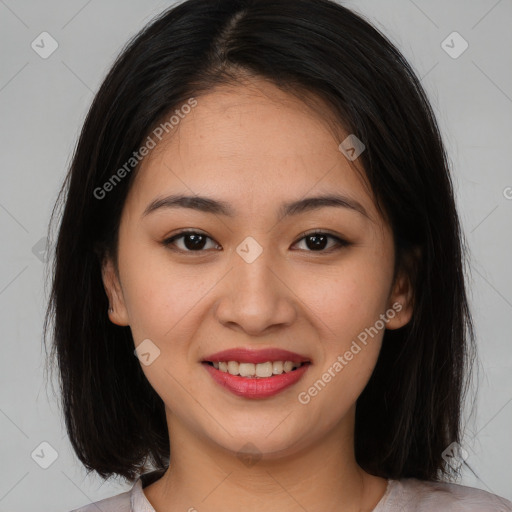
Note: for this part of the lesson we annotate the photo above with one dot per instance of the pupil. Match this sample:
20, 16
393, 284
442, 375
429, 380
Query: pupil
316, 245
197, 243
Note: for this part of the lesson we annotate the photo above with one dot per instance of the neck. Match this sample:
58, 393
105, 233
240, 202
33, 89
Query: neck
323, 475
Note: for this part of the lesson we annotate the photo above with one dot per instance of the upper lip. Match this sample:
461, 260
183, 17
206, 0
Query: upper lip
245, 355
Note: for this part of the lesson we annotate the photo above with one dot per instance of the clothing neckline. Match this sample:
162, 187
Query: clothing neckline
140, 503
385, 499
138, 500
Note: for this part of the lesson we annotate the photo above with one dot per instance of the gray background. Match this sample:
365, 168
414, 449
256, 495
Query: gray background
43, 103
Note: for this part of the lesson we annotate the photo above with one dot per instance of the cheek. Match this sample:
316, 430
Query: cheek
157, 295
347, 302
163, 302
346, 298
346, 310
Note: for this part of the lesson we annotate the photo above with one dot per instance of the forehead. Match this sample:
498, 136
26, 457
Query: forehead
251, 144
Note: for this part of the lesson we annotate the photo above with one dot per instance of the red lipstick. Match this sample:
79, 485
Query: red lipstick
256, 387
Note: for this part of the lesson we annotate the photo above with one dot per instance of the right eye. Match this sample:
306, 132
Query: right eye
193, 241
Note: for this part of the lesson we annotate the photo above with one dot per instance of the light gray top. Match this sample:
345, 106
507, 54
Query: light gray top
405, 495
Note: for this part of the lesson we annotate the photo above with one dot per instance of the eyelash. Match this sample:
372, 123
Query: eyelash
340, 241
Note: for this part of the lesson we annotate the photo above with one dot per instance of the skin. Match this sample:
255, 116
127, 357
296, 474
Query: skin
254, 146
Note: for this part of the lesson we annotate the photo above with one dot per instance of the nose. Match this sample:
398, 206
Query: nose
256, 297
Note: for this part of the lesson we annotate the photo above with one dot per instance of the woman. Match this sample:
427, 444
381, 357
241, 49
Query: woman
259, 283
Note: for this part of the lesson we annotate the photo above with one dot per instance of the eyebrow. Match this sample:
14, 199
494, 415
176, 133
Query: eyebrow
209, 205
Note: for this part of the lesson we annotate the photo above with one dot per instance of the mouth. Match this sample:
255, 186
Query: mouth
256, 381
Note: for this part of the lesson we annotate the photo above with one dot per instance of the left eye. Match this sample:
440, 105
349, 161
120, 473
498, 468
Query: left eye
194, 241
318, 239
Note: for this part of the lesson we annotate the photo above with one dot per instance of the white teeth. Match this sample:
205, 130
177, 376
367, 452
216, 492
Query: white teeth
288, 366
244, 369
277, 367
233, 367
264, 369
256, 370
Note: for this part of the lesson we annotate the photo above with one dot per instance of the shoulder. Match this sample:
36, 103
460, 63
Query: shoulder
421, 496
133, 500
119, 503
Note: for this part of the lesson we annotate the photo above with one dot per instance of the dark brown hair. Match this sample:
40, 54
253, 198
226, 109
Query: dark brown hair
410, 410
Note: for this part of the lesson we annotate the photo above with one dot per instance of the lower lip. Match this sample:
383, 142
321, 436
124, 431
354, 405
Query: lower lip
262, 387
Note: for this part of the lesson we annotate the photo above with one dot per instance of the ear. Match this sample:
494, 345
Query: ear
401, 299
118, 313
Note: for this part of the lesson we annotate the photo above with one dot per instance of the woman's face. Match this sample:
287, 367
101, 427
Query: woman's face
254, 280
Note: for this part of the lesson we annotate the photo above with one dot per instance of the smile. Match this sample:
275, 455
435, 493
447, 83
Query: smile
249, 381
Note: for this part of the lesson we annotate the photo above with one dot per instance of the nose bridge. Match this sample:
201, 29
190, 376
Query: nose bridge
256, 297
255, 270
